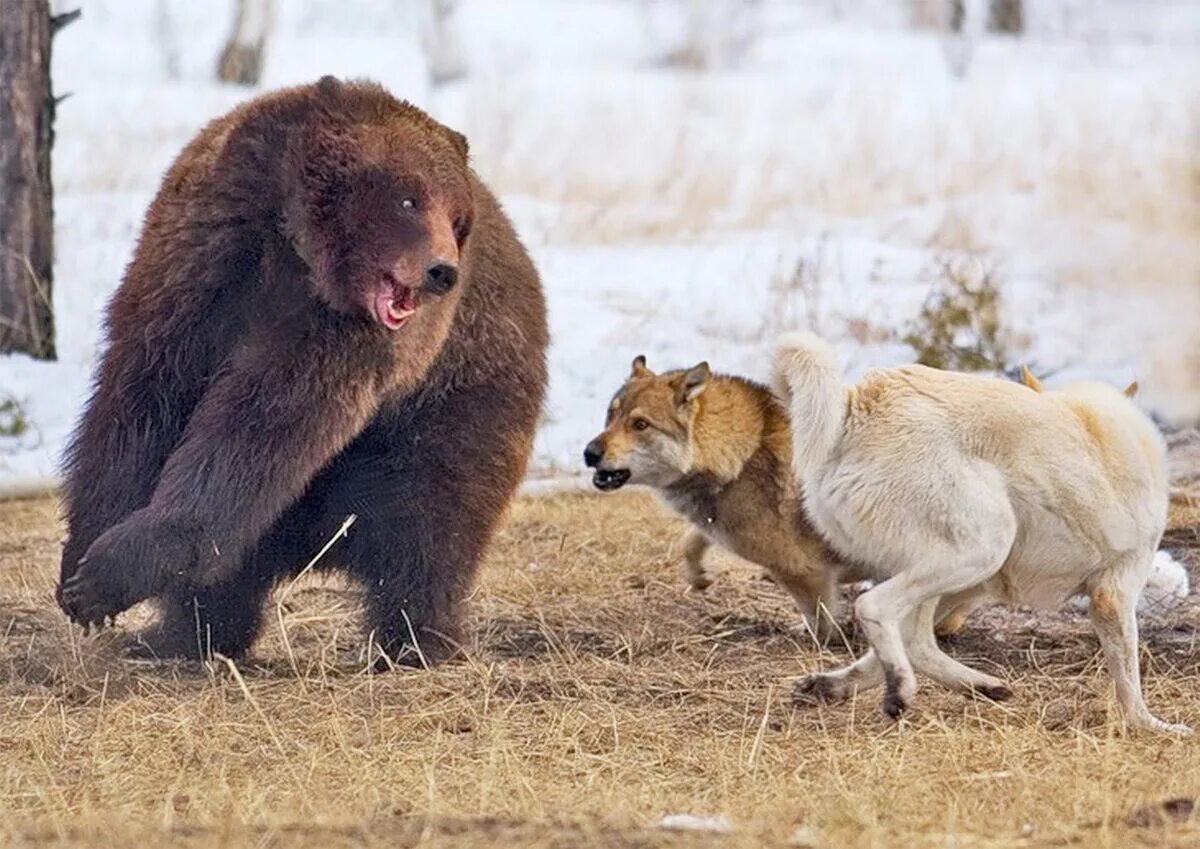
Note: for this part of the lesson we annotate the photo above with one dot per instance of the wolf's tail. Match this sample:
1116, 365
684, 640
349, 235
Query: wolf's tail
808, 379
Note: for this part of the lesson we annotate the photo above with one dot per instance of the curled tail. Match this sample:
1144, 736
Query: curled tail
808, 379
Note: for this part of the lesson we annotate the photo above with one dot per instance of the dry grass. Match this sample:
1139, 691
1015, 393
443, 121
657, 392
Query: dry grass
598, 696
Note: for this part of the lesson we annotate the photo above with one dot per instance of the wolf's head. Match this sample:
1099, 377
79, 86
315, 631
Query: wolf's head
648, 435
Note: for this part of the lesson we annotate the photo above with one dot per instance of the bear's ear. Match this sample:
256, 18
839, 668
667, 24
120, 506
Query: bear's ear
459, 141
328, 87
638, 369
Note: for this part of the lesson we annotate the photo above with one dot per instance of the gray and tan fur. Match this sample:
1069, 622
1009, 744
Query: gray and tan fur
718, 450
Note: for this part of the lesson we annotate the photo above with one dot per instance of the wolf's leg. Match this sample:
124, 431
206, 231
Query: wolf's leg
864, 674
815, 591
1113, 613
952, 611
695, 544
928, 659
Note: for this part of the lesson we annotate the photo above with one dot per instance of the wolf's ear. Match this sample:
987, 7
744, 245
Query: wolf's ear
638, 369
1027, 377
1131, 389
693, 382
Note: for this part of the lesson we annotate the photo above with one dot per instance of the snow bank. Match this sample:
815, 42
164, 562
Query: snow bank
817, 181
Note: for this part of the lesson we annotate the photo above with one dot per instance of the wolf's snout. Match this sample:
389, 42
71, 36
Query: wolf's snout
440, 278
593, 454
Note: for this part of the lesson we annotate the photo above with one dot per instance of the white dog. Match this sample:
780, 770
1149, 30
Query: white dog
958, 490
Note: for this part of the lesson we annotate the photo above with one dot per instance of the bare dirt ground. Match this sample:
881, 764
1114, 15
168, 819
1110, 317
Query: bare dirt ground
599, 695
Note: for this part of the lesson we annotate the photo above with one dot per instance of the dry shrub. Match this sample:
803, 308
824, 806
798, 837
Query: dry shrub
959, 324
13, 421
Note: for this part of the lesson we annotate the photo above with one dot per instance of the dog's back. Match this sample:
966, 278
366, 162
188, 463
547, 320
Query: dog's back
957, 488
1084, 454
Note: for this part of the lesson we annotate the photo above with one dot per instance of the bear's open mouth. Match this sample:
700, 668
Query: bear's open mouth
394, 303
607, 480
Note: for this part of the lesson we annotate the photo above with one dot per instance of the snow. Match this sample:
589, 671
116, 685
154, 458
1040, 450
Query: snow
816, 175
692, 822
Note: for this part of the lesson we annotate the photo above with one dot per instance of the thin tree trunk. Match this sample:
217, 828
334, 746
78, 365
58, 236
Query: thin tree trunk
242, 59
441, 45
1006, 16
26, 192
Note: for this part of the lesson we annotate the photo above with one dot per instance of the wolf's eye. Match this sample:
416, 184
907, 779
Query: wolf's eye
408, 204
640, 424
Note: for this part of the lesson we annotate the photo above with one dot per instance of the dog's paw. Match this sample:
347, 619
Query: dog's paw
818, 689
898, 693
894, 705
993, 692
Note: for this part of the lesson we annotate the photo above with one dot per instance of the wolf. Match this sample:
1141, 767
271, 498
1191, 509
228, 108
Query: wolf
718, 450
956, 490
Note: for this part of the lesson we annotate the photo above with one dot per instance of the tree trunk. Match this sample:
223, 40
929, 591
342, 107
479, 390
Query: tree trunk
26, 193
1006, 16
441, 44
242, 59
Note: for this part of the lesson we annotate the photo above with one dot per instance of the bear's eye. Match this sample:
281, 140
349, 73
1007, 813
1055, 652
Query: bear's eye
462, 227
640, 424
408, 204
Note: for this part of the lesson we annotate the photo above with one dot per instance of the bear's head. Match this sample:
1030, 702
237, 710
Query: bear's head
378, 202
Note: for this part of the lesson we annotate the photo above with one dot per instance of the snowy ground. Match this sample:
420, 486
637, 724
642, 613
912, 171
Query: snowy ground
819, 177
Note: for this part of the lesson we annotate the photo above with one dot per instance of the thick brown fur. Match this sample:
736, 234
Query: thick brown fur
718, 449
249, 399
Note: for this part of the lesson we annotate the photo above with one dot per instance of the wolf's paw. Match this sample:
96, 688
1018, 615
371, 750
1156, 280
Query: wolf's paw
699, 582
951, 626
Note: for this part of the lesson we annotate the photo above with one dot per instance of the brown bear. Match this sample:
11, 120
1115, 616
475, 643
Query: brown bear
327, 314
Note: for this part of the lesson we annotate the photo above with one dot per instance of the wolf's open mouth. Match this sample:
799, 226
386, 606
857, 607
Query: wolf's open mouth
394, 304
610, 479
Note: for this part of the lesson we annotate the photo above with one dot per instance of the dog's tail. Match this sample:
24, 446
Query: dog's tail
808, 379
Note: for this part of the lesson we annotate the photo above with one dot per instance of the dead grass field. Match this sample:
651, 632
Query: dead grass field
599, 695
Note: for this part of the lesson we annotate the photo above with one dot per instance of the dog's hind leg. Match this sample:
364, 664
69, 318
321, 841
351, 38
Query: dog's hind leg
864, 674
695, 544
928, 659
970, 556
1113, 610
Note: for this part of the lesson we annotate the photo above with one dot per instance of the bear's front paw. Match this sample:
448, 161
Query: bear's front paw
130, 562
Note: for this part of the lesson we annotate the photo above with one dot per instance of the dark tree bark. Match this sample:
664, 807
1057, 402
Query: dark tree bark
26, 193
1006, 16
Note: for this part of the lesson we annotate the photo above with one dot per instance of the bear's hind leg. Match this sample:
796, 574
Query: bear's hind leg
429, 492
203, 621
225, 618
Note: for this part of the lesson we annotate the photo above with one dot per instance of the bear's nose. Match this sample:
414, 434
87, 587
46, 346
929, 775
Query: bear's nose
440, 278
593, 454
